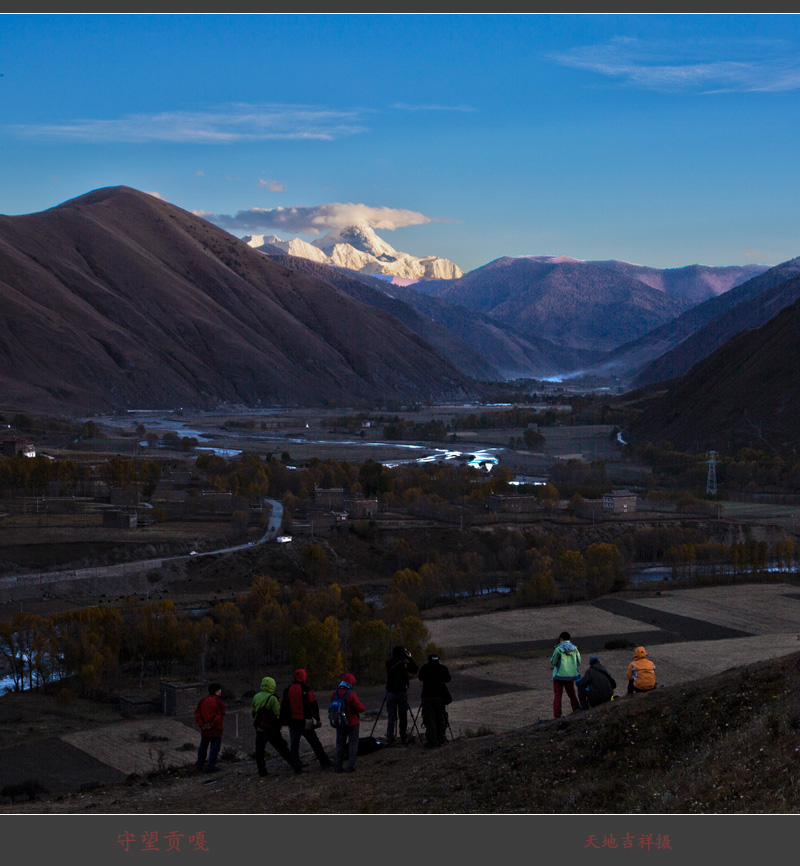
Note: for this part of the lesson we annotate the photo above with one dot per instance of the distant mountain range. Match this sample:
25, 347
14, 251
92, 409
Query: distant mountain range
358, 248
118, 299
671, 349
584, 305
475, 343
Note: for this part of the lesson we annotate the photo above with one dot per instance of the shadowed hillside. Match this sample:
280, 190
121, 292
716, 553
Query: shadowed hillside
744, 394
478, 345
671, 350
118, 299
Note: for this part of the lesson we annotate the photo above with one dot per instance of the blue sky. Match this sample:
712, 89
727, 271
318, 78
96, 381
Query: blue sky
665, 140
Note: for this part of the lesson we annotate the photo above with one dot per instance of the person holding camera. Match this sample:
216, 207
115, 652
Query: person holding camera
300, 713
398, 667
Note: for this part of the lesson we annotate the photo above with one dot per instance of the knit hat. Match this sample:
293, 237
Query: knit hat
594, 660
564, 635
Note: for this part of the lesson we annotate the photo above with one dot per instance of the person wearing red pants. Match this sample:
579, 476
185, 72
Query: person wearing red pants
566, 662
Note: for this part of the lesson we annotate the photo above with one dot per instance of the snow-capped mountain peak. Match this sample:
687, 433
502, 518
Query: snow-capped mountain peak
360, 236
358, 248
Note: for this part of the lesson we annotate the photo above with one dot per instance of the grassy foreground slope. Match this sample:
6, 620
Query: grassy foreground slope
724, 744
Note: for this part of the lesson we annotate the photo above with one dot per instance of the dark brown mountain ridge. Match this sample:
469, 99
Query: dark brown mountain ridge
480, 346
670, 350
118, 299
746, 393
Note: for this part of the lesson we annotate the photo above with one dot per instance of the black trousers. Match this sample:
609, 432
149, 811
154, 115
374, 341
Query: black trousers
434, 717
298, 730
274, 739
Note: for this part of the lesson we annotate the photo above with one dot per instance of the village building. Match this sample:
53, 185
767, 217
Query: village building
13, 447
619, 502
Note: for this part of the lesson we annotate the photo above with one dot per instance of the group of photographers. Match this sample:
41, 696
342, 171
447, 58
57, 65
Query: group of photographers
298, 710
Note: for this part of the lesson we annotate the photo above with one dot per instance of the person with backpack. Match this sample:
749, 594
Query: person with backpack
265, 710
435, 698
398, 667
344, 716
596, 686
641, 672
300, 713
566, 662
209, 716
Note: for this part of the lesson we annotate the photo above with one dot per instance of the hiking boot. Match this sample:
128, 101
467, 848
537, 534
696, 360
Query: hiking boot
349, 769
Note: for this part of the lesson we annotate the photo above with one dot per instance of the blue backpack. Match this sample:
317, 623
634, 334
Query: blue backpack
337, 714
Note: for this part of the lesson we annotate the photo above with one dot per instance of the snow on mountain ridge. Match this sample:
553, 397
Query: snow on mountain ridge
358, 248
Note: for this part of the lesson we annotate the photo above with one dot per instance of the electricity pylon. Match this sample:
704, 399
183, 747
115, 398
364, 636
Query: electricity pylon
711, 483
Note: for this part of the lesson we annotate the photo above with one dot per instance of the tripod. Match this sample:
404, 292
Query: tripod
408, 710
446, 720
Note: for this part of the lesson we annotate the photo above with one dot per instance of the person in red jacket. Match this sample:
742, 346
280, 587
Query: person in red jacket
347, 738
209, 716
300, 713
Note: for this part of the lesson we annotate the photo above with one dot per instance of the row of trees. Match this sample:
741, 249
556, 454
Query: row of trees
746, 471
711, 559
325, 631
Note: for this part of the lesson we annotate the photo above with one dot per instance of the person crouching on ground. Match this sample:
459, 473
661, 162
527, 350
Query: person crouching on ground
596, 686
209, 716
641, 672
265, 710
347, 738
566, 662
300, 713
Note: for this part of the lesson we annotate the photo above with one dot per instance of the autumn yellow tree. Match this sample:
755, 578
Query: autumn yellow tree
369, 647
316, 647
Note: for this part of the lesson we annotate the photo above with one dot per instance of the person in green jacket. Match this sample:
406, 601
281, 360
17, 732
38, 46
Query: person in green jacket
265, 710
566, 662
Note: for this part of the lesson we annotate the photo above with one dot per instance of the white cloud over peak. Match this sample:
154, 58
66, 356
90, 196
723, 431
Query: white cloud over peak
706, 66
221, 125
155, 194
319, 219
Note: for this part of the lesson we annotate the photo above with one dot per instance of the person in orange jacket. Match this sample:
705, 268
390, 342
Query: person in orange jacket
641, 672
347, 737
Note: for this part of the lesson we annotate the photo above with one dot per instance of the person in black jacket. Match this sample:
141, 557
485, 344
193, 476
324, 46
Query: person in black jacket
596, 686
398, 667
435, 697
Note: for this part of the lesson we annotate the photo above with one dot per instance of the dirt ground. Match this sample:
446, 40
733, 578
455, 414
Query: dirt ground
501, 677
